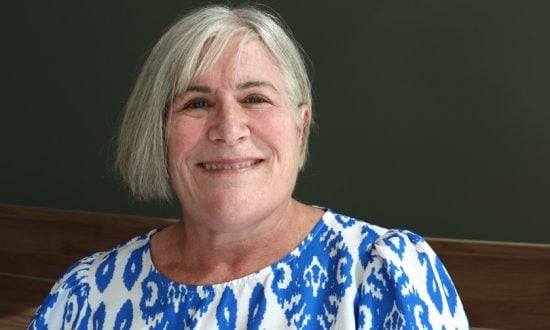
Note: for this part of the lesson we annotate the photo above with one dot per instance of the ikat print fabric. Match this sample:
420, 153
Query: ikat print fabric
346, 274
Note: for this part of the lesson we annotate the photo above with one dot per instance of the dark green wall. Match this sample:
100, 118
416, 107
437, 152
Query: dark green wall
432, 115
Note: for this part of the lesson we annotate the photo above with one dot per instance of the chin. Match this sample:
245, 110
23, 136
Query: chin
235, 214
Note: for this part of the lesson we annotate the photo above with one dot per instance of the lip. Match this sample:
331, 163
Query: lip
229, 165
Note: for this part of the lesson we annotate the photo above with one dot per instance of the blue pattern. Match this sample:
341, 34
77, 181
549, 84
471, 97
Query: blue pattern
345, 274
77, 311
449, 291
256, 309
133, 267
124, 317
99, 316
319, 288
105, 271
226, 312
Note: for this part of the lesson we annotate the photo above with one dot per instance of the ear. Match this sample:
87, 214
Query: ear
305, 117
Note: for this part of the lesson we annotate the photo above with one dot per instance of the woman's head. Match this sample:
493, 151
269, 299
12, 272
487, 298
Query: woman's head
187, 50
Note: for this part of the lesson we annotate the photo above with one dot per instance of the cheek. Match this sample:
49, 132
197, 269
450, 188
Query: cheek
282, 133
182, 139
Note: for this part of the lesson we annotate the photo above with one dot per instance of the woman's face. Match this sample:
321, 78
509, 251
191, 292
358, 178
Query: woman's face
234, 142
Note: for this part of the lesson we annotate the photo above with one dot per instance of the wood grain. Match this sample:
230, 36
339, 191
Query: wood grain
502, 285
37, 245
42, 243
20, 298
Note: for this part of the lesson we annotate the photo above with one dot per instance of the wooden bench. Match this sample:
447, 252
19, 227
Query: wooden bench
502, 285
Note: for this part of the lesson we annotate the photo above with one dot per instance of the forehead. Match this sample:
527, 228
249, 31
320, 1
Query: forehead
242, 59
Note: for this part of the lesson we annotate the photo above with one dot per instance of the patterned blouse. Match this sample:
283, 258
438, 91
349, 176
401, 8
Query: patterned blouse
346, 274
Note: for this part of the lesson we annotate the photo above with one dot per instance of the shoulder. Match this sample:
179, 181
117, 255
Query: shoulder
376, 244
67, 304
401, 283
67, 298
405, 281
352, 230
402, 246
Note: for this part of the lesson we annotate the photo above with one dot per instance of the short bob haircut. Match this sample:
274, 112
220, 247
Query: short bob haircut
178, 57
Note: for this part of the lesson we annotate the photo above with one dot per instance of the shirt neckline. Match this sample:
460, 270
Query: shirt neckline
253, 277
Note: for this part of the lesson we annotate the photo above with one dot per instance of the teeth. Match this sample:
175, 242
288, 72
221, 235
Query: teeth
234, 166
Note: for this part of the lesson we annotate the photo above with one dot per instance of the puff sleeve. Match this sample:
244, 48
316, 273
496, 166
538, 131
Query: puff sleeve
66, 306
405, 286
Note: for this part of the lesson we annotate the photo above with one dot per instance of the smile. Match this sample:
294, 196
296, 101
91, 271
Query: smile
229, 166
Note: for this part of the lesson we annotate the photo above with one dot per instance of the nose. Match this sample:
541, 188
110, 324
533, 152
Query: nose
230, 124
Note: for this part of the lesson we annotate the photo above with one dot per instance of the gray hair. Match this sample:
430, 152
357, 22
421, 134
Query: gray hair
178, 57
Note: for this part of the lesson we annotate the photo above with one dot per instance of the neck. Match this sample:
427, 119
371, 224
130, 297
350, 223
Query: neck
189, 253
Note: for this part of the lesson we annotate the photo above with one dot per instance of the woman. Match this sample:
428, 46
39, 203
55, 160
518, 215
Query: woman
219, 118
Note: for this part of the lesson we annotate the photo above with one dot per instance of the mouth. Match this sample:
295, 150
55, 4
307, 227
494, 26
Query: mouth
227, 166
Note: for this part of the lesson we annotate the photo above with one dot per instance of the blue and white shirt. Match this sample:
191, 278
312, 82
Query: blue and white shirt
346, 274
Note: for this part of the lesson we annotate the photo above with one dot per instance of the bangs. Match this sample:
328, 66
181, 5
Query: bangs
208, 51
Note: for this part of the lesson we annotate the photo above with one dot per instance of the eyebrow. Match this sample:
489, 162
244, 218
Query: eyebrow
240, 86
256, 83
201, 89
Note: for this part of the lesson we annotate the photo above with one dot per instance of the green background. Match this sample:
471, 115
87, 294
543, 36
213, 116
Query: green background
432, 115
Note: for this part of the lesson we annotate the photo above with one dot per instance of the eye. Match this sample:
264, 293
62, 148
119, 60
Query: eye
196, 104
255, 99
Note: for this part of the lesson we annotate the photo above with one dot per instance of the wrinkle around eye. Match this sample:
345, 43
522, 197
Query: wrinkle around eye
256, 99
192, 105
196, 104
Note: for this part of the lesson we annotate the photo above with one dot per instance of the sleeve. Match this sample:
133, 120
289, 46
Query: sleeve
66, 306
405, 286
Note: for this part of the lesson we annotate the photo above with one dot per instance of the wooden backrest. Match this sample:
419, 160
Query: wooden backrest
42, 243
37, 245
502, 285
